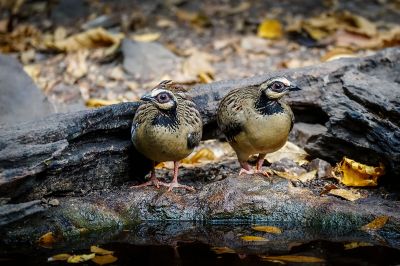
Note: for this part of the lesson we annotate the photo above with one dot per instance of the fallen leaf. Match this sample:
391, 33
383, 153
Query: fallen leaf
80, 258
253, 238
105, 259
286, 175
337, 53
148, 37
327, 188
290, 151
270, 28
223, 250
376, 224
93, 38
47, 239
353, 173
62, 256
95, 103
100, 251
202, 155
268, 229
197, 63
293, 258
307, 176
197, 19
205, 77
353, 245
346, 194
77, 66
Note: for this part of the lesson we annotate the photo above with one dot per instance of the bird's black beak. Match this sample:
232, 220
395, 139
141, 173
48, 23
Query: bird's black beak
294, 87
147, 98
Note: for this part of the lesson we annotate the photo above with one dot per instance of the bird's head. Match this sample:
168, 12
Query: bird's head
276, 88
161, 97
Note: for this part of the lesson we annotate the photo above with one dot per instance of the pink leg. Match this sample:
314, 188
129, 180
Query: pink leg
260, 162
246, 168
153, 180
174, 183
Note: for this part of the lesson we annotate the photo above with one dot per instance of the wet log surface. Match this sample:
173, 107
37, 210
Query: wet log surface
85, 159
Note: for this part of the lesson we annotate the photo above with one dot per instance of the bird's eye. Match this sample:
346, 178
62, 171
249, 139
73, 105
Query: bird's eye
277, 86
163, 98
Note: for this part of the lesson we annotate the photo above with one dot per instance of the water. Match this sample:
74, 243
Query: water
193, 244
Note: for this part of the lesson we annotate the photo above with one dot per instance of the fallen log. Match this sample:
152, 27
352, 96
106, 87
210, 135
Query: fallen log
73, 154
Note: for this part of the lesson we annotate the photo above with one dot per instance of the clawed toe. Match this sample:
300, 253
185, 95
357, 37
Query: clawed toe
245, 172
177, 185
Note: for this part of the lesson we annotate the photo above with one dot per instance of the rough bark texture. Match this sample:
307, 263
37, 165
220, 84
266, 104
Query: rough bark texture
73, 154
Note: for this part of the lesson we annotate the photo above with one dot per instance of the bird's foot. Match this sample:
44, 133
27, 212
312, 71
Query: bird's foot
246, 172
173, 185
152, 182
268, 173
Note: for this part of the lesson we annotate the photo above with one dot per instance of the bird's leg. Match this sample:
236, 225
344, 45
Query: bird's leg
174, 183
246, 168
153, 179
260, 162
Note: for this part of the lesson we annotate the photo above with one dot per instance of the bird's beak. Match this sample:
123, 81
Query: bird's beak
294, 87
147, 98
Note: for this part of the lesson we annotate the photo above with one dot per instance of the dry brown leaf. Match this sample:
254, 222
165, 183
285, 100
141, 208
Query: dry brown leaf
293, 258
353, 245
95, 103
223, 250
307, 176
197, 19
268, 229
346, 194
202, 155
196, 64
290, 151
100, 251
62, 256
327, 188
357, 174
77, 66
376, 224
105, 259
254, 238
80, 258
93, 38
47, 239
147, 37
270, 29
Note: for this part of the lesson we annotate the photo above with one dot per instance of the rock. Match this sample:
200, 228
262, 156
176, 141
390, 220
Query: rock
20, 99
302, 132
148, 60
323, 168
12, 212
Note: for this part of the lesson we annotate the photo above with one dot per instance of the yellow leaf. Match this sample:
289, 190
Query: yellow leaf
93, 102
147, 37
253, 238
293, 258
307, 176
106, 259
270, 28
197, 63
357, 174
268, 229
80, 258
346, 194
205, 77
376, 224
222, 250
93, 38
353, 245
204, 154
286, 175
47, 239
100, 251
337, 53
62, 256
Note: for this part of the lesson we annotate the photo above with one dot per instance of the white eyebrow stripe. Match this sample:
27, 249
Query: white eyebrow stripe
155, 92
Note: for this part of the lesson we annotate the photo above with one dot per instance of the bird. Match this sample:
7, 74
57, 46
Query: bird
166, 127
254, 120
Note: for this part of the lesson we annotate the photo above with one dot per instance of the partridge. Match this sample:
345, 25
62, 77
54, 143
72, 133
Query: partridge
256, 121
166, 127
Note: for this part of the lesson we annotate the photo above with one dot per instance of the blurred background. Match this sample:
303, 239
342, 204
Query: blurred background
90, 53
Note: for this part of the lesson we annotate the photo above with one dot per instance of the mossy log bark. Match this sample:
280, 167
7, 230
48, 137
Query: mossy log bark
81, 154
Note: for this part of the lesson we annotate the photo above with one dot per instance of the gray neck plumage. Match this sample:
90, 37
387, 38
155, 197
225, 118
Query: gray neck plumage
266, 106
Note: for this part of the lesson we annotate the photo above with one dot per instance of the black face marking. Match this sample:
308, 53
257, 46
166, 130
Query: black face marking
166, 119
231, 131
193, 140
267, 106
